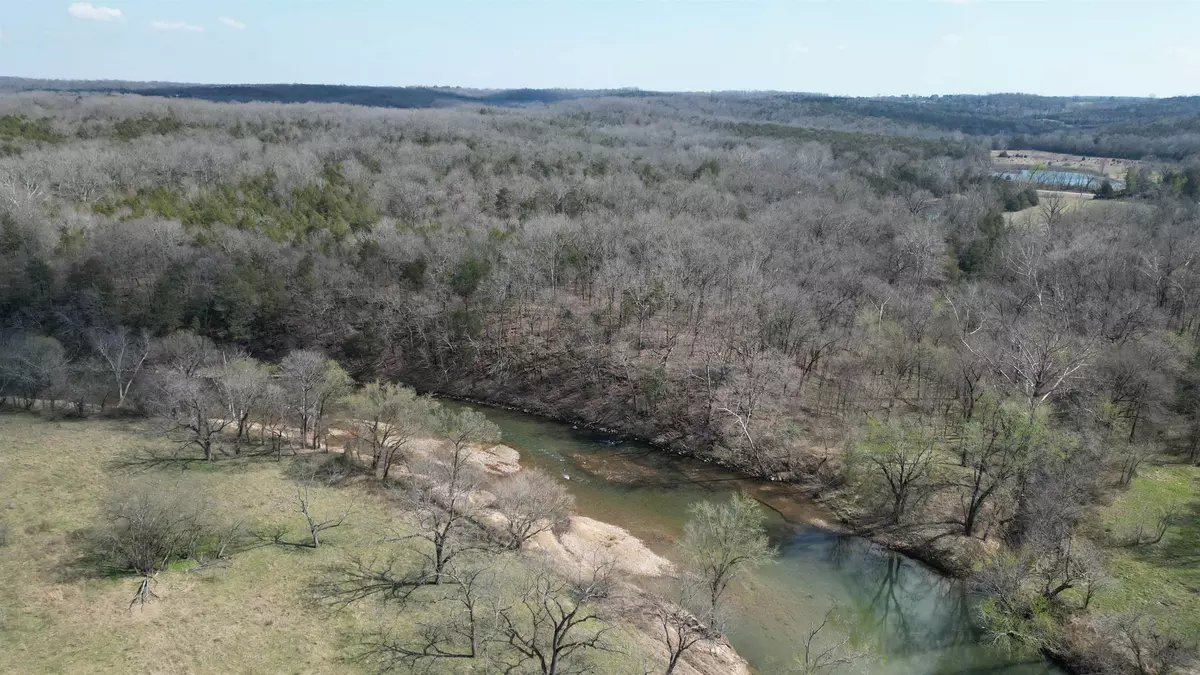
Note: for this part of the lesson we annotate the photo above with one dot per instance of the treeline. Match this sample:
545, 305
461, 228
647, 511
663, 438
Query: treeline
383, 97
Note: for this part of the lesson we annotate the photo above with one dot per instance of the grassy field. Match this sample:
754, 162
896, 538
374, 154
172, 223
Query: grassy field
1071, 203
1105, 166
256, 614
1161, 580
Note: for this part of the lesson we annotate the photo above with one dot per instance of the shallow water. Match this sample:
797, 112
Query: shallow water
907, 618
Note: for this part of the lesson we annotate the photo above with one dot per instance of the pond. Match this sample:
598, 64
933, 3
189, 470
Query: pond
1055, 178
911, 620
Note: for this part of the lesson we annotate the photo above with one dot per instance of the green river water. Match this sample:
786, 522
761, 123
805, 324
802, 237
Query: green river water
907, 618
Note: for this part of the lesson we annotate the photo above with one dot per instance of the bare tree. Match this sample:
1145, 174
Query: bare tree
191, 407
385, 417
532, 502
823, 657
998, 444
1167, 515
554, 623
304, 501
1053, 206
123, 353
1041, 360
35, 366
1009, 618
184, 352
1131, 455
445, 499
901, 459
149, 524
241, 383
303, 373
1154, 650
1068, 563
460, 627
680, 623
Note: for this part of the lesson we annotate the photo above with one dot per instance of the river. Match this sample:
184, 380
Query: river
906, 617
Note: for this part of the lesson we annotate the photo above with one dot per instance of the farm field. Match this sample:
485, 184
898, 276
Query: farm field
1112, 167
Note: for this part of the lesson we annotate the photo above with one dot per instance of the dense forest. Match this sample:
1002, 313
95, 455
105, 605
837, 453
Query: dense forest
809, 289
1129, 128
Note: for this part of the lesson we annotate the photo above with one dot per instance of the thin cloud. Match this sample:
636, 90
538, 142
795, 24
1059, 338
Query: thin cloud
952, 39
86, 10
176, 25
232, 23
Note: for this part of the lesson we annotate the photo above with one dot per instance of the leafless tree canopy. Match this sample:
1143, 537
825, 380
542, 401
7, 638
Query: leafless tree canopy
532, 502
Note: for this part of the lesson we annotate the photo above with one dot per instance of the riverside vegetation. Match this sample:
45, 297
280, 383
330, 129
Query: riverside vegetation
1015, 400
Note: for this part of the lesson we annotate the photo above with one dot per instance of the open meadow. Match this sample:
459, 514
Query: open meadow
257, 609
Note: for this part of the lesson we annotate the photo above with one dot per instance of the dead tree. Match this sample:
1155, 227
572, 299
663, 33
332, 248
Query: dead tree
315, 525
823, 659
681, 627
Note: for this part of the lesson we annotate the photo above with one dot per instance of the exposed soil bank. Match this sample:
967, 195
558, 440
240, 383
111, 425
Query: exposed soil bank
586, 542
950, 555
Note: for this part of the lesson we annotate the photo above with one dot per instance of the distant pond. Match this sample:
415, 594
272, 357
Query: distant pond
1072, 179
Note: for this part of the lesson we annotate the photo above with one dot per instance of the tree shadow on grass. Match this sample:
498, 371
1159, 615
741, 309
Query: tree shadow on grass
152, 457
155, 455
1181, 545
89, 559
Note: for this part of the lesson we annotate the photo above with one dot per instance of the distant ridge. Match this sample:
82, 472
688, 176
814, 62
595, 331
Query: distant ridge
383, 97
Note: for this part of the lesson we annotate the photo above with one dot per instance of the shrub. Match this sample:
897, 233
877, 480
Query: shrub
149, 526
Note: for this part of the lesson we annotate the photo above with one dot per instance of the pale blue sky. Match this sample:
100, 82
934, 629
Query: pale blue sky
1120, 47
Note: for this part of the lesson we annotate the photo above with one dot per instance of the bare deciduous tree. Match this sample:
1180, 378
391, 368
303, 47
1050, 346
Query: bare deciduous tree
998, 443
821, 656
555, 622
901, 459
385, 417
532, 502
459, 629
122, 352
304, 504
680, 623
184, 352
445, 499
303, 373
1153, 649
241, 383
190, 406
34, 366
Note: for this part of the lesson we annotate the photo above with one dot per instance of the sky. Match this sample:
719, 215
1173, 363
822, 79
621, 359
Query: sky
851, 47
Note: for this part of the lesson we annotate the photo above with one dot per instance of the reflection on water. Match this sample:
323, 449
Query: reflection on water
907, 618
1056, 178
